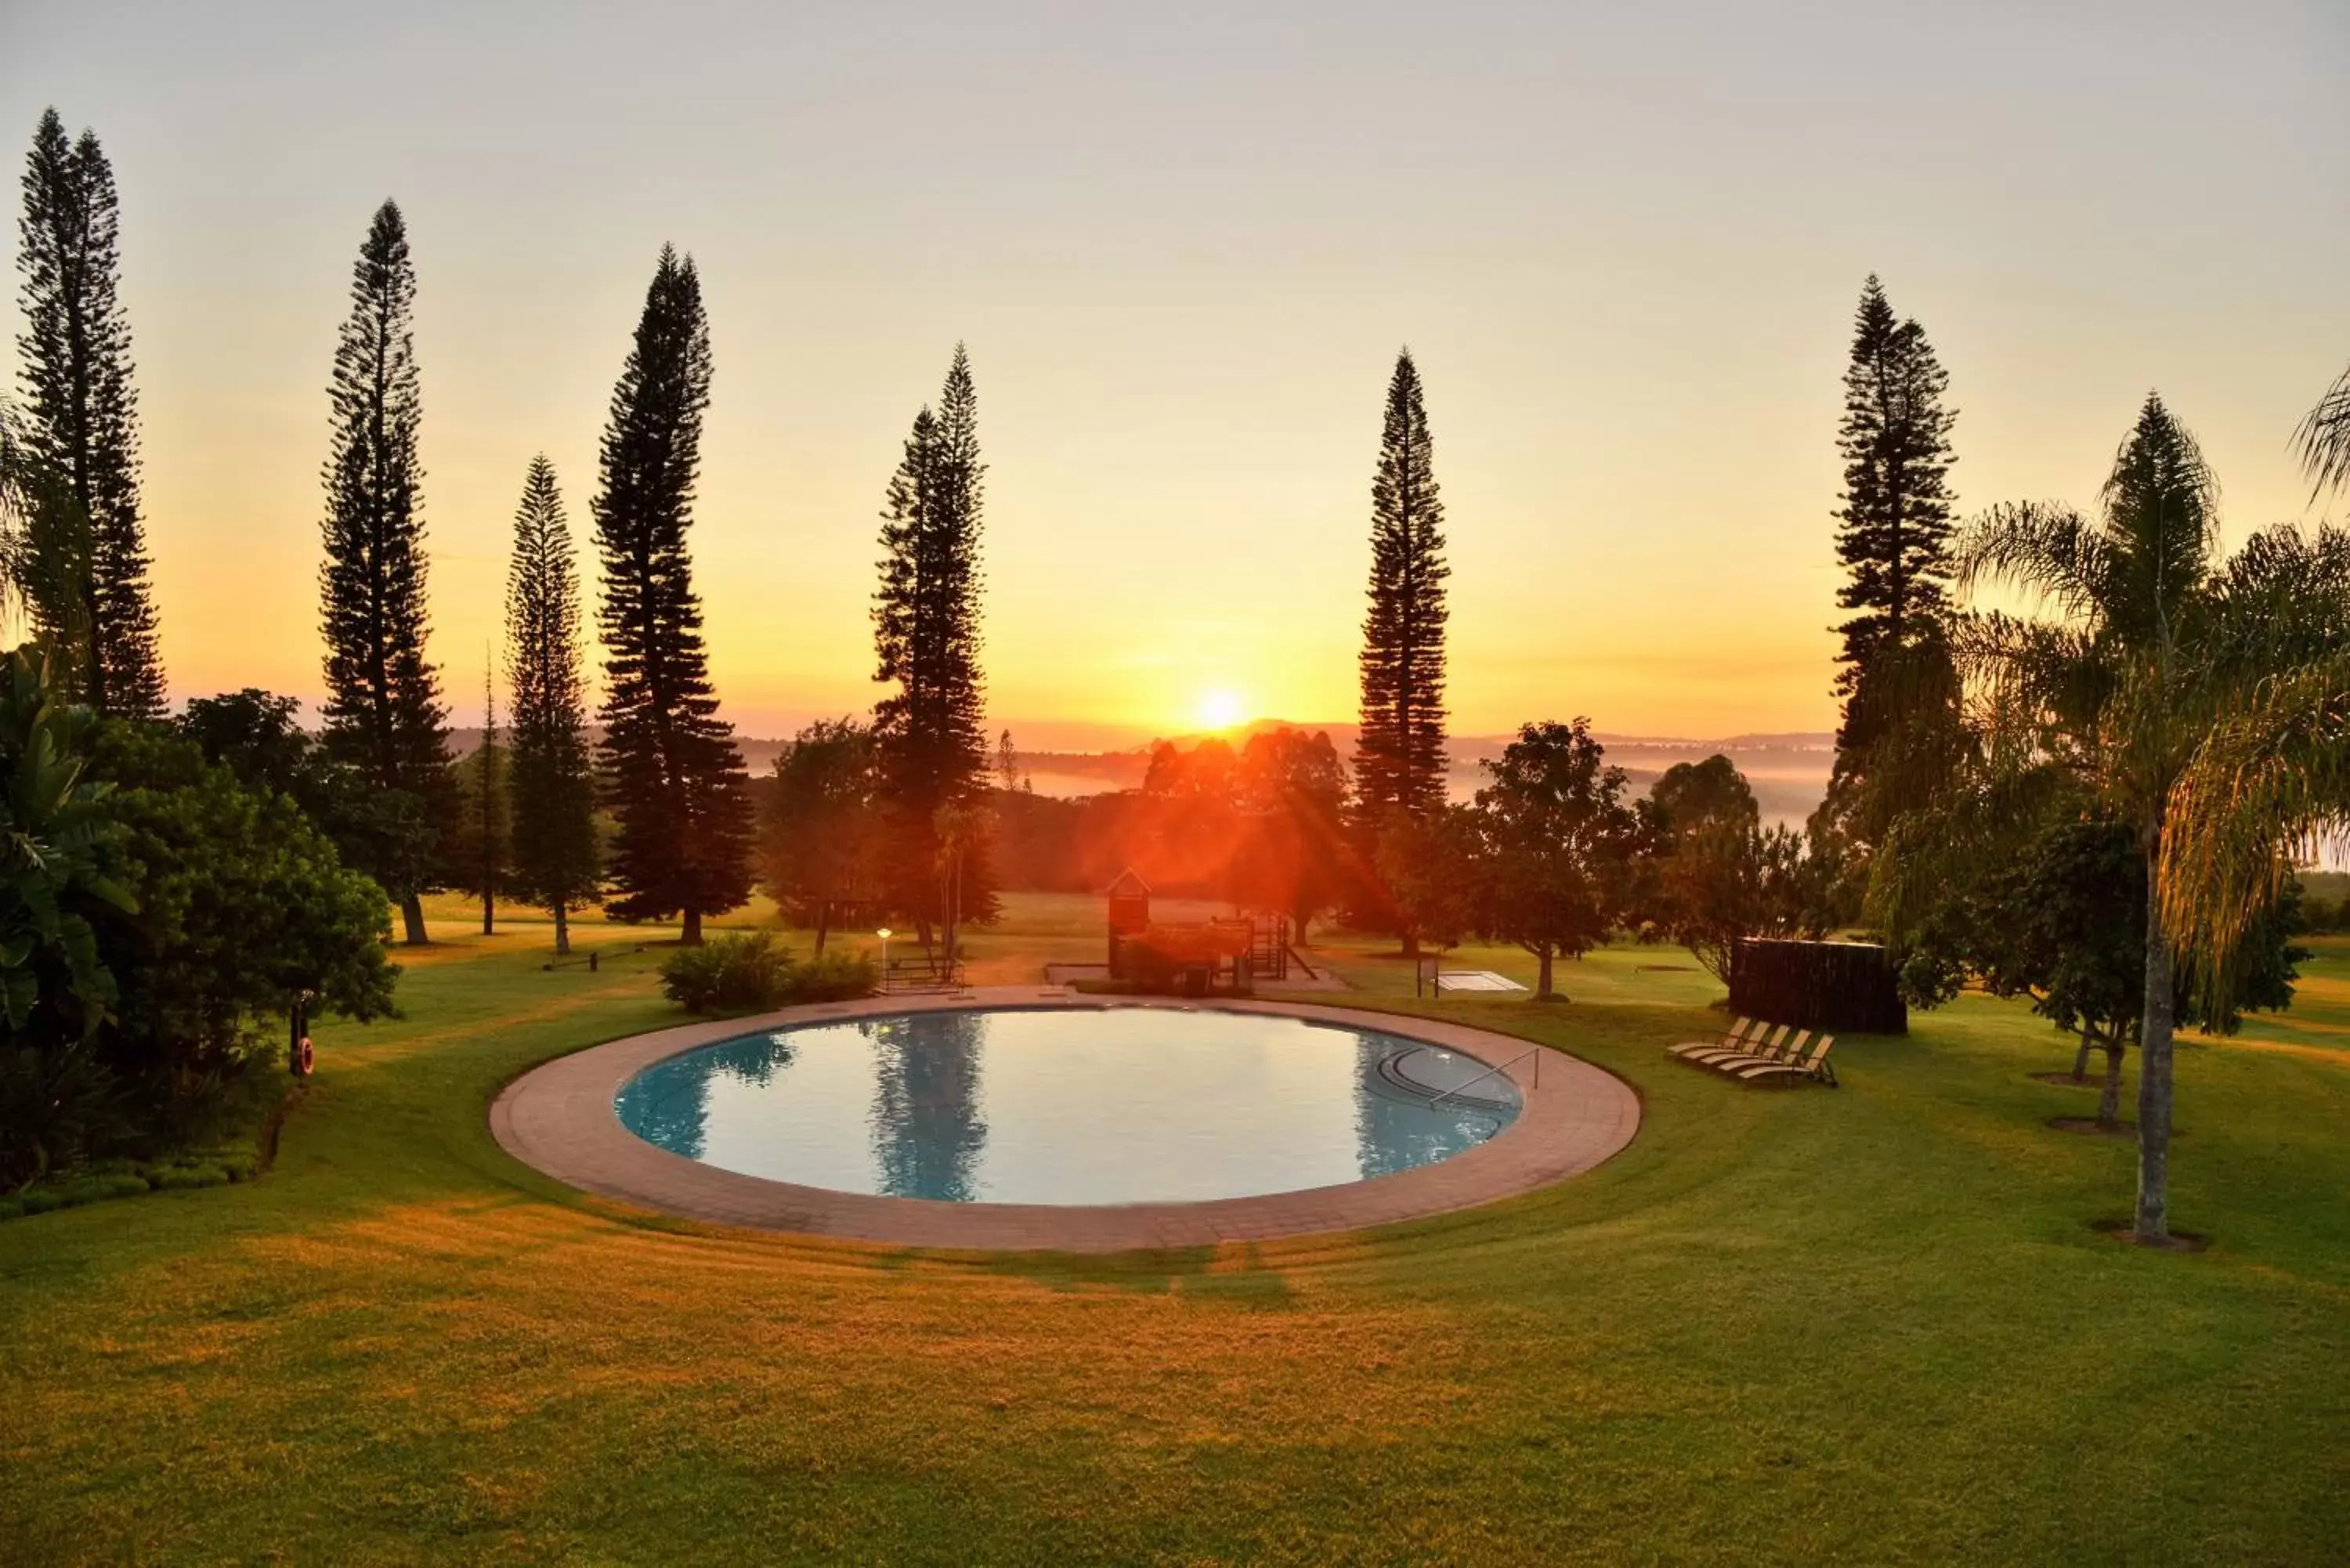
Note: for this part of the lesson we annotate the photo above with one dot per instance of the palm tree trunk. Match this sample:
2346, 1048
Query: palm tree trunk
2153, 1221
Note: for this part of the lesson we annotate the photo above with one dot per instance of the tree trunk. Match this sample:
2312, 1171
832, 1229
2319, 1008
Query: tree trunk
954, 900
2109, 1103
1543, 992
823, 922
411, 917
1411, 944
489, 913
562, 930
2152, 1221
691, 935
2081, 1057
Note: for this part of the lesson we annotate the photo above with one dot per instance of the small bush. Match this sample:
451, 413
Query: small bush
743, 973
752, 973
179, 1177
835, 977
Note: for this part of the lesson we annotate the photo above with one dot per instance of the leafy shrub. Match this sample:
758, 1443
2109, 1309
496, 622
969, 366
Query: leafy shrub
97, 1181
175, 1178
158, 917
835, 977
58, 1106
97, 1188
752, 973
732, 974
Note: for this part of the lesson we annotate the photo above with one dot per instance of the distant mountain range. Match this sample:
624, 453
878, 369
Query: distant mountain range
1788, 772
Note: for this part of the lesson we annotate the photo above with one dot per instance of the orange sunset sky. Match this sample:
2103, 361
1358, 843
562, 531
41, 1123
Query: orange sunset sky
1183, 244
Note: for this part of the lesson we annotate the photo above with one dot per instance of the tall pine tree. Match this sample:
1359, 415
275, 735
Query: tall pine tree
1399, 758
931, 735
383, 712
555, 859
675, 779
1893, 531
87, 577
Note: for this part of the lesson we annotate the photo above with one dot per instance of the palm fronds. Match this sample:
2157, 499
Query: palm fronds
2268, 788
2323, 440
2046, 549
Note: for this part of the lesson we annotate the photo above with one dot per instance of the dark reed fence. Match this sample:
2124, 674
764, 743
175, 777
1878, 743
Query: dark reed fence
1841, 986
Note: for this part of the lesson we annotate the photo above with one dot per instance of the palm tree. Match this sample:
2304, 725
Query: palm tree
2152, 671
2324, 438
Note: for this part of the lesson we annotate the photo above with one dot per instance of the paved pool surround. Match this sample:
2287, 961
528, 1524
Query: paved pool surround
560, 1119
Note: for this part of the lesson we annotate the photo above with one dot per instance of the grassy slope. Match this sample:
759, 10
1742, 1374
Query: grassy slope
1871, 1326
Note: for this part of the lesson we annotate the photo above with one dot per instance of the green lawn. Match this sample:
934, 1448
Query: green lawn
1870, 1325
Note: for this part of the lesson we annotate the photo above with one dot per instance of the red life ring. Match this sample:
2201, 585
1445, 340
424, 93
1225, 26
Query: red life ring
304, 1058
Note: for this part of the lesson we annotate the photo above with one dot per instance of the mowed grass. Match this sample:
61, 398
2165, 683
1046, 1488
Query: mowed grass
1869, 1325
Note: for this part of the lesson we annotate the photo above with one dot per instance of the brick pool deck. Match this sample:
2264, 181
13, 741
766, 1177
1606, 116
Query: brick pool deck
560, 1119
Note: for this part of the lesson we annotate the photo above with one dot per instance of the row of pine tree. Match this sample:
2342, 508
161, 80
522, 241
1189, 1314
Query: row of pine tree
666, 766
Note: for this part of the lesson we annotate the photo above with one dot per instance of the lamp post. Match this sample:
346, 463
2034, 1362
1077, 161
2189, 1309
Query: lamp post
884, 934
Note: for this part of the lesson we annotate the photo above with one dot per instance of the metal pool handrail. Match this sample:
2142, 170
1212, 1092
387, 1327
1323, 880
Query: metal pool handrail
1536, 1053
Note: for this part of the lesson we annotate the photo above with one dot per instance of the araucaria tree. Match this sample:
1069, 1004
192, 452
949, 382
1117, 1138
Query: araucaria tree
930, 735
1893, 531
554, 861
1400, 755
383, 712
1893, 536
674, 778
87, 577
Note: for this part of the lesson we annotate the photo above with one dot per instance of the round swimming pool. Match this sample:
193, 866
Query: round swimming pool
1141, 1105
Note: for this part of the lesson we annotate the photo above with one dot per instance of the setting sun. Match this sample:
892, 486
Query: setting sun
1221, 711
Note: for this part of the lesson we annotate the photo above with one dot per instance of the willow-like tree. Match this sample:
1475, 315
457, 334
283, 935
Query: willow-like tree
555, 863
1399, 756
673, 775
383, 712
86, 582
930, 735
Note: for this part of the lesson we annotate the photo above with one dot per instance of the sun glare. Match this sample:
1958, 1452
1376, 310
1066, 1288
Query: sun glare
1221, 711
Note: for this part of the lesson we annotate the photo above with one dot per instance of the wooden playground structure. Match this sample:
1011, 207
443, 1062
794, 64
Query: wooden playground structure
1194, 958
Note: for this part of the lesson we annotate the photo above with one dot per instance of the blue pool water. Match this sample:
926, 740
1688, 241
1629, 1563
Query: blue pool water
1079, 1105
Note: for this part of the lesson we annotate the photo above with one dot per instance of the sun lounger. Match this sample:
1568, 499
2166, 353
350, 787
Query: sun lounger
1736, 1038
1784, 1047
1777, 1048
1813, 1067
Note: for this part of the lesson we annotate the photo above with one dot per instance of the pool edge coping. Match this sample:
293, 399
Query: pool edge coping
560, 1119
